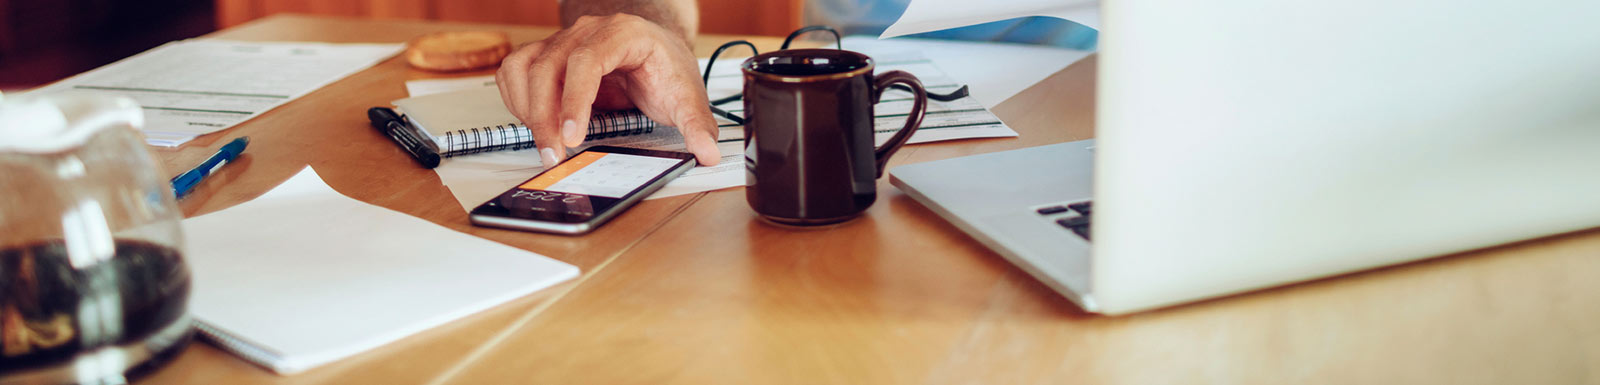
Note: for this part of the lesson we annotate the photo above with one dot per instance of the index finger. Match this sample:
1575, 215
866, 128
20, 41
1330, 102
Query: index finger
587, 67
512, 78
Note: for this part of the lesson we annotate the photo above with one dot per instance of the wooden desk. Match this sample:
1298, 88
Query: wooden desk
695, 290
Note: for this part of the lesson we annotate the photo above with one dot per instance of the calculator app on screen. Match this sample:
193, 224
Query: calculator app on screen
583, 192
602, 174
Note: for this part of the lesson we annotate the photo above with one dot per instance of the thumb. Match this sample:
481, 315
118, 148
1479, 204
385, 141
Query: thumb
700, 136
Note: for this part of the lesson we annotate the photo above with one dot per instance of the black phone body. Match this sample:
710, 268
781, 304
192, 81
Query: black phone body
583, 192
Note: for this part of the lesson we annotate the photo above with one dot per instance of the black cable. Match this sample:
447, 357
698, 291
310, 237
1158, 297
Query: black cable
729, 99
953, 95
838, 41
727, 115
707, 78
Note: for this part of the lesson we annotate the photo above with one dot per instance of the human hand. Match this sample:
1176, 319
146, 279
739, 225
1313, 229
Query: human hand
609, 62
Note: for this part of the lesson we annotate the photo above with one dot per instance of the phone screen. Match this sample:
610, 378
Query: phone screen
600, 174
581, 187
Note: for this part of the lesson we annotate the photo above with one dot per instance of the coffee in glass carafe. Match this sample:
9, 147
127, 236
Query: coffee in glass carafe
93, 285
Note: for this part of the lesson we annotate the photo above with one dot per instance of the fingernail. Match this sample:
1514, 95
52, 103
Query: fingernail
569, 131
548, 156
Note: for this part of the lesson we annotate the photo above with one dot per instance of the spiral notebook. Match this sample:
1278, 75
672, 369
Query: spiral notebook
475, 120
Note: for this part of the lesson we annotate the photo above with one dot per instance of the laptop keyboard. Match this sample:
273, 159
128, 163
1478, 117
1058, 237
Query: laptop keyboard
1072, 216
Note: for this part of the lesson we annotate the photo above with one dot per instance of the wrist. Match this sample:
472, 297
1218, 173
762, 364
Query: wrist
679, 17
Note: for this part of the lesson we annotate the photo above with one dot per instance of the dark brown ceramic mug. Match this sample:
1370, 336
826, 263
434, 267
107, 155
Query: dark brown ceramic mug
809, 155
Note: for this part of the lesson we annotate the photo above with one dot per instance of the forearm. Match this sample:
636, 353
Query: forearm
680, 16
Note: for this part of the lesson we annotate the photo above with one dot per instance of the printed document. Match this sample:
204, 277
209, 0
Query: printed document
193, 87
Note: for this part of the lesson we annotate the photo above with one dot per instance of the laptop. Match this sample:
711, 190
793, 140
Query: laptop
1242, 145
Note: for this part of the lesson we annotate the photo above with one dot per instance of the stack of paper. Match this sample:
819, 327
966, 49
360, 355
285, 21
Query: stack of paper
194, 87
303, 276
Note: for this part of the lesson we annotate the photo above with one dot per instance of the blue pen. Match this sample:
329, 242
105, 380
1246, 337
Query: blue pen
182, 183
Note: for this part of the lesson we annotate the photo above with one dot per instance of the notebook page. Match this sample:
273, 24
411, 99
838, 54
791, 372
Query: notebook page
304, 275
442, 113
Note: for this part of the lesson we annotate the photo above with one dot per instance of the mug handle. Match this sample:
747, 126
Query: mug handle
919, 106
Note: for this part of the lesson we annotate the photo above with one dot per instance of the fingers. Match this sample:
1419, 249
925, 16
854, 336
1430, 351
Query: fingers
553, 86
608, 48
552, 153
543, 84
700, 136
512, 77
540, 118
585, 67
519, 80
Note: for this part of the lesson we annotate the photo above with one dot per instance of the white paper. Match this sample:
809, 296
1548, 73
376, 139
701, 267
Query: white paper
996, 71
193, 87
422, 87
729, 172
933, 15
311, 276
475, 179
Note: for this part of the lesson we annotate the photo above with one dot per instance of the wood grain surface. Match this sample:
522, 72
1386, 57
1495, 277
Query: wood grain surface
695, 290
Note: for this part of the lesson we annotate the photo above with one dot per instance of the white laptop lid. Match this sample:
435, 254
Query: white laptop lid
1250, 143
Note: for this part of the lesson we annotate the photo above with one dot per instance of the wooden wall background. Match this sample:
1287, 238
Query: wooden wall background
42, 41
744, 17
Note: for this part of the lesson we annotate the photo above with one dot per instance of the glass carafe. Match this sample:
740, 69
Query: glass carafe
93, 285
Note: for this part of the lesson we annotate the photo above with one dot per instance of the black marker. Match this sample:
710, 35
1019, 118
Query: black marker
390, 123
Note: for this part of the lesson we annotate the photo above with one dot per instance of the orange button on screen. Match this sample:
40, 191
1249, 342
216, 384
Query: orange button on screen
562, 171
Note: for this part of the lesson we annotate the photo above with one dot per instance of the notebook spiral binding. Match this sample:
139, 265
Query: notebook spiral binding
252, 352
516, 136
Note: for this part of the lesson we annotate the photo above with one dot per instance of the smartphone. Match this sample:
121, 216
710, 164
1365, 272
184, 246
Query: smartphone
583, 192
